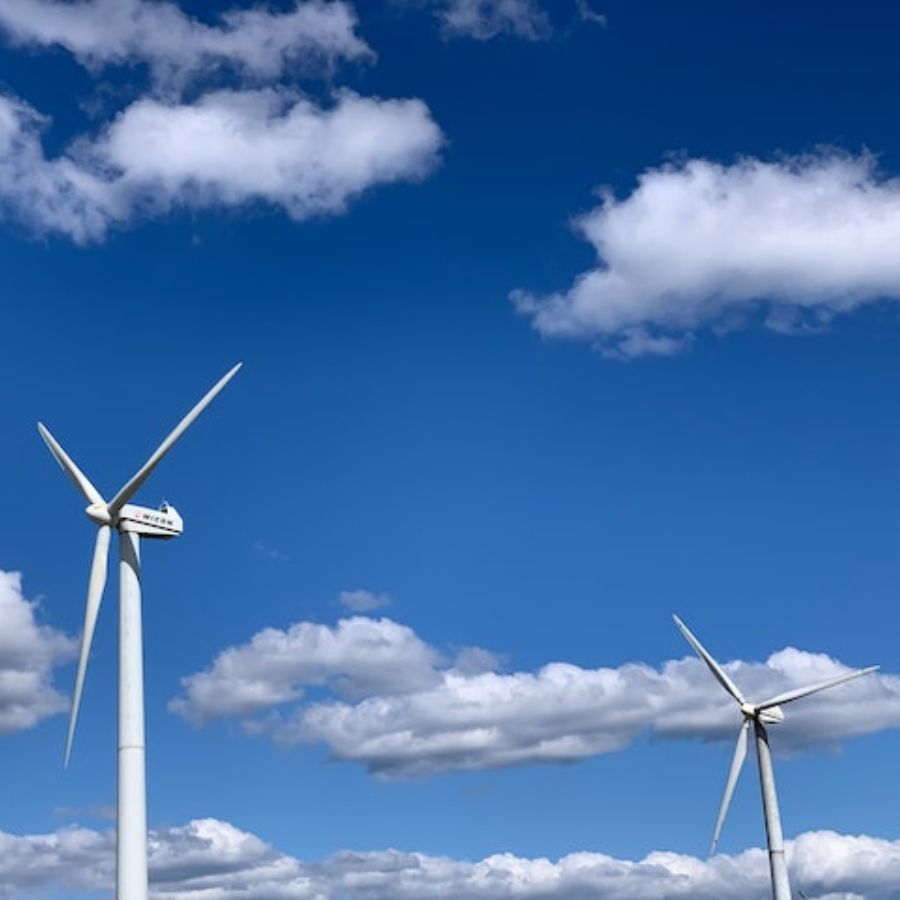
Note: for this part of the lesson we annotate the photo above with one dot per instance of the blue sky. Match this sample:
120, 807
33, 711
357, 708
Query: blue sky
529, 419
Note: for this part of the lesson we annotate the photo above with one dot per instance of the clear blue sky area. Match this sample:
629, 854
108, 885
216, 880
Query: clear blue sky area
399, 427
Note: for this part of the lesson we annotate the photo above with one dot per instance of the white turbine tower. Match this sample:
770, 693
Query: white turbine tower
132, 523
759, 715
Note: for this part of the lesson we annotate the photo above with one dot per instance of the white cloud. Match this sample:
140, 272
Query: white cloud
700, 246
214, 860
269, 552
363, 601
28, 654
588, 14
256, 42
225, 148
359, 657
399, 708
48, 195
229, 148
485, 19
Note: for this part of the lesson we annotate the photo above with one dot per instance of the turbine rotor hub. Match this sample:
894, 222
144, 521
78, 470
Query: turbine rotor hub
98, 513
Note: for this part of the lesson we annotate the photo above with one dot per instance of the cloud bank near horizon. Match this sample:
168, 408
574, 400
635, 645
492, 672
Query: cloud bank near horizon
210, 858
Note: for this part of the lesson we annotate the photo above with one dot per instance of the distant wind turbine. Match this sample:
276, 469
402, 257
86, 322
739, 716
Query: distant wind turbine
132, 523
759, 715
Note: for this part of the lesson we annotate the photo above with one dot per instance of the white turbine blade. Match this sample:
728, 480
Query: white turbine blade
126, 493
96, 584
796, 694
79, 479
737, 762
714, 667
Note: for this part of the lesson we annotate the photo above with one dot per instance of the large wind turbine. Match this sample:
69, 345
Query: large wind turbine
759, 715
132, 523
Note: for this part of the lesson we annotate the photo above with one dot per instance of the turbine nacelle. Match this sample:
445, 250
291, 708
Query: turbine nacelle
769, 715
159, 523
162, 523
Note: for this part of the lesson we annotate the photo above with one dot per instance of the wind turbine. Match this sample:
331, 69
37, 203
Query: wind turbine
132, 523
759, 715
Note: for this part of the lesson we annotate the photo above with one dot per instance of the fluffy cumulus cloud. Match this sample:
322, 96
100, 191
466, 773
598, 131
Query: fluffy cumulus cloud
256, 42
699, 246
359, 657
29, 652
399, 707
209, 858
485, 19
228, 148
258, 140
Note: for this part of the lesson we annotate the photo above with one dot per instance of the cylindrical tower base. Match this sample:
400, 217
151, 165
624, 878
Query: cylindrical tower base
131, 845
781, 888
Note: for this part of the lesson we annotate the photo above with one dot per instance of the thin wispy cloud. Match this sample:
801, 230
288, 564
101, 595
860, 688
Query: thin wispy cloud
700, 247
102, 811
587, 13
212, 858
528, 20
29, 653
402, 708
363, 601
269, 552
486, 19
